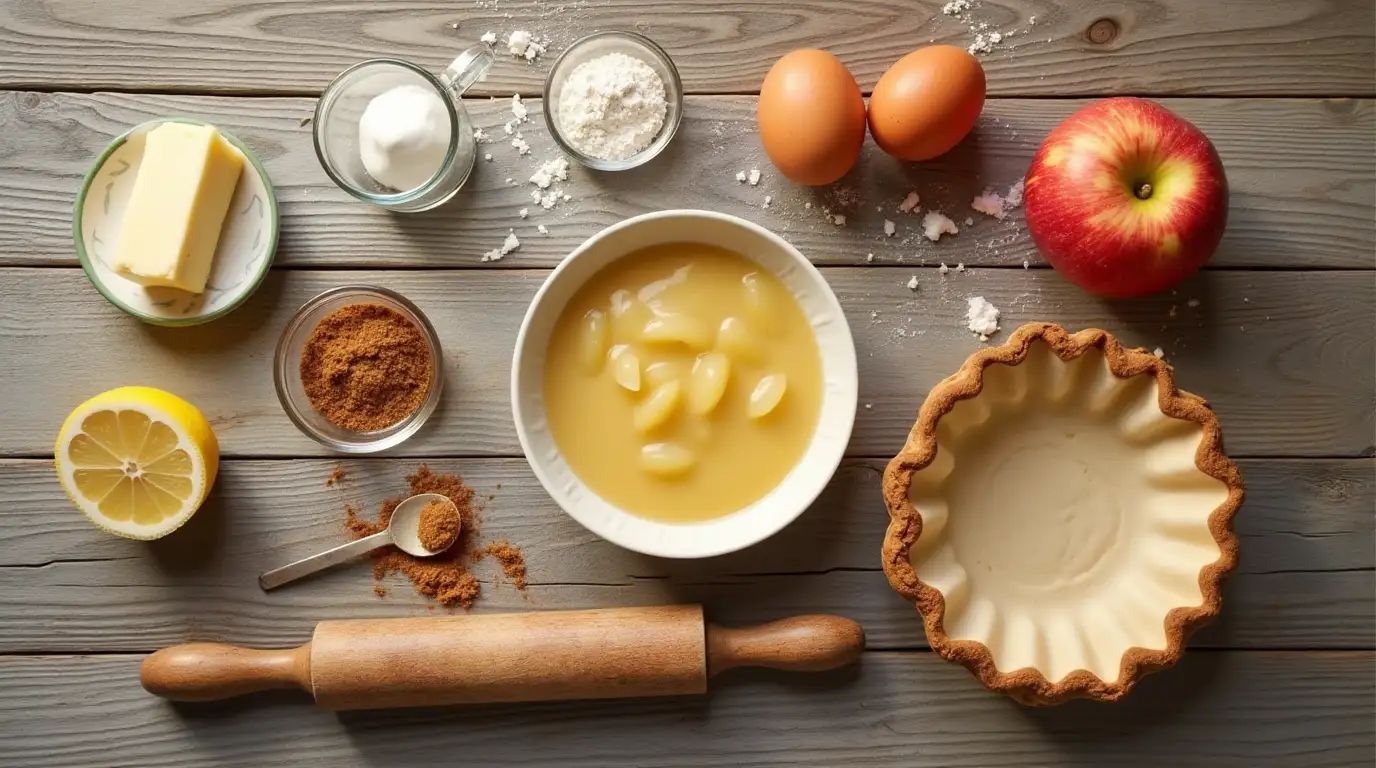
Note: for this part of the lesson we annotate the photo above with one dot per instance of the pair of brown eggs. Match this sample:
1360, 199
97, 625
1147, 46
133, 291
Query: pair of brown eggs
812, 115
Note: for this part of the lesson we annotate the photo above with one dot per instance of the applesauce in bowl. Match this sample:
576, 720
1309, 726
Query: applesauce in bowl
684, 384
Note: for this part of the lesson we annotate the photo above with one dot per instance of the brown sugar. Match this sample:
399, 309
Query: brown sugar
439, 526
443, 577
366, 367
335, 476
512, 560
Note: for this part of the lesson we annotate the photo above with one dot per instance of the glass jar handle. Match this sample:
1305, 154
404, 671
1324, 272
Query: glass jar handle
468, 68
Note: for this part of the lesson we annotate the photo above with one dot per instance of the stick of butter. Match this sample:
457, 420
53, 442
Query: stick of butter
178, 205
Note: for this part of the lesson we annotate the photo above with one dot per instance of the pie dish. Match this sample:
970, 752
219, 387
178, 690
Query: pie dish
1062, 516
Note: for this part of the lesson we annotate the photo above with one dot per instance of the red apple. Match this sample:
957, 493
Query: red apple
1126, 198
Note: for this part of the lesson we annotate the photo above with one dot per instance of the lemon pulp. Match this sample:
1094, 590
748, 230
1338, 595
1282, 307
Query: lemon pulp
137, 461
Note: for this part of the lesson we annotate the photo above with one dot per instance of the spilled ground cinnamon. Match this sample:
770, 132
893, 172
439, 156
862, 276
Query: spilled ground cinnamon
366, 367
512, 560
439, 526
445, 577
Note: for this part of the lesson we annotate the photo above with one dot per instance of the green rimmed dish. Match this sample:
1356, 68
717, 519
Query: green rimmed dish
248, 239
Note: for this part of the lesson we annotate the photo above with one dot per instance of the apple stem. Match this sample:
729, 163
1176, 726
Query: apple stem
1143, 191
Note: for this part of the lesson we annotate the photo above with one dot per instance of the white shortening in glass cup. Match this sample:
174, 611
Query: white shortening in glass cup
342, 105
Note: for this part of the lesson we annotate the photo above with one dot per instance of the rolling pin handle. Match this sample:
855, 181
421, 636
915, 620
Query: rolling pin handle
797, 644
213, 671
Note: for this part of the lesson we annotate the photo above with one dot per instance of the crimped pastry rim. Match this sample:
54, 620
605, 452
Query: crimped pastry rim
1029, 685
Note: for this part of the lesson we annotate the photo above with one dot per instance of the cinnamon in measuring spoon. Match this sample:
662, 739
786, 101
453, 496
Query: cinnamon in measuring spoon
444, 577
439, 526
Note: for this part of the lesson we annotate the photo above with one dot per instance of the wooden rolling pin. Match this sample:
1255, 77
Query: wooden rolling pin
549, 656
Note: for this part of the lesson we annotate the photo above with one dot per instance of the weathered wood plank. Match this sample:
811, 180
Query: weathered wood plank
896, 709
1302, 174
1305, 580
1176, 46
1288, 360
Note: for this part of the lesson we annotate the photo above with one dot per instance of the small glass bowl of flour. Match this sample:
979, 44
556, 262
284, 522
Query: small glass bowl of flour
613, 100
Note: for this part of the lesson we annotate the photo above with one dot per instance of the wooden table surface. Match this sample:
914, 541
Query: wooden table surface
1277, 333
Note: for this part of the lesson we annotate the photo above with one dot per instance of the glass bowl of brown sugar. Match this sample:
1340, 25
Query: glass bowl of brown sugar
358, 369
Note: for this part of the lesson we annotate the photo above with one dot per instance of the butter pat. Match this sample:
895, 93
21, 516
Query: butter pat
178, 205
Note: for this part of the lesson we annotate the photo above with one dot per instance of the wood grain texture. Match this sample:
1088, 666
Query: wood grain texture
807, 643
216, 671
554, 655
659, 650
1302, 174
1286, 356
1304, 581
1163, 47
1243, 709
1287, 361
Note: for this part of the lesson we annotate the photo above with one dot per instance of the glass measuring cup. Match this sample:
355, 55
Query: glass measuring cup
341, 106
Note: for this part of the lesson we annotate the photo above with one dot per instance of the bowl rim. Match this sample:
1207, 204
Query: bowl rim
1030, 685
810, 486
84, 258
673, 93
405, 428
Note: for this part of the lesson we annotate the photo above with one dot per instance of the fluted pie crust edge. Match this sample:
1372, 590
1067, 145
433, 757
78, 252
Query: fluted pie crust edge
1028, 685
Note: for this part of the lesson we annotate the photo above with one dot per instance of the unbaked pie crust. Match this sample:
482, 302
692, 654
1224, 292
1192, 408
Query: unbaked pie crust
1062, 516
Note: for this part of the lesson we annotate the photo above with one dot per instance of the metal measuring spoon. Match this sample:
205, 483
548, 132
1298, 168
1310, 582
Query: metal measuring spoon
403, 530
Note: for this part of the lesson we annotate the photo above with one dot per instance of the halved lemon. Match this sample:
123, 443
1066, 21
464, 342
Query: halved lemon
137, 461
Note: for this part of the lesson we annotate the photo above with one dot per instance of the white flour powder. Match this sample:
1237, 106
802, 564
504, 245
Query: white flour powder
982, 317
611, 107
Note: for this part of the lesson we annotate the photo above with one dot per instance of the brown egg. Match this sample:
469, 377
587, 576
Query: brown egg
811, 117
926, 103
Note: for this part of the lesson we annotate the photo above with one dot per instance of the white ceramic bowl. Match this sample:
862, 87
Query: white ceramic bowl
802, 484
248, 238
